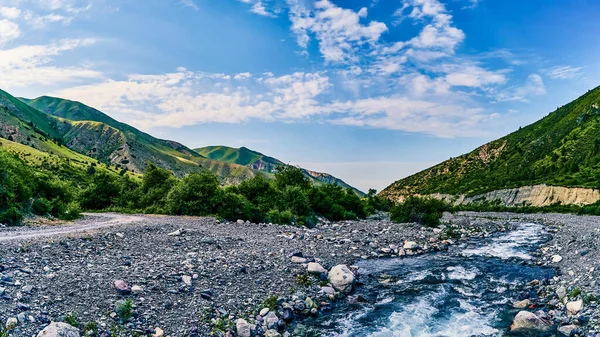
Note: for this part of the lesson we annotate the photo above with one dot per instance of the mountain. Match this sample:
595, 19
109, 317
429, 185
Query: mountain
561, 149
91, 132
260, 162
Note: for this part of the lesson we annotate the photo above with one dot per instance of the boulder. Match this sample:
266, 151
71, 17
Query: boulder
341, 278
411, 245
271, 320
158, 332
526, 320
573, 308
59, 329
556, 258
315, 268
243, 328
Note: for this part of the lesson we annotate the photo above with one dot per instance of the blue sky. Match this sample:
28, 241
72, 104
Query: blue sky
370, 90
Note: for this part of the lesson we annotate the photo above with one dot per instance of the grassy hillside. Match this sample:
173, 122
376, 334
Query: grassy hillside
260, 162
95, 134
561, 149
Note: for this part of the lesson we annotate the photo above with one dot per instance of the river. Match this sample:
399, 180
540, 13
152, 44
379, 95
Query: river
465, 291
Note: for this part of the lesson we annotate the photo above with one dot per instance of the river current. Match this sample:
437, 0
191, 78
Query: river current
465, 291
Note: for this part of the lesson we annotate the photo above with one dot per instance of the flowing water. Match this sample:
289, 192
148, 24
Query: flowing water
466, 291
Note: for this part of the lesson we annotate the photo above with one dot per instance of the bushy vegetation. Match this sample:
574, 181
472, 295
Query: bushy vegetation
562, 149
425, 211
289, 198
25, 190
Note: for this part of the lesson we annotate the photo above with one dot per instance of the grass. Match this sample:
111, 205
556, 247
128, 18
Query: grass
124, 309
71, 319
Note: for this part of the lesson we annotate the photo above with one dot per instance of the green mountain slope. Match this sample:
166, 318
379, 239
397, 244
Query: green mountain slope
260, 162
93, 133
562, 149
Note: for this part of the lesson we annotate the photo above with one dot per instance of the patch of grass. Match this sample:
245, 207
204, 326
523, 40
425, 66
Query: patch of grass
124, 309
304, 280
71, 319
222, 325
575, 292
271, 303
589, 298
91, 327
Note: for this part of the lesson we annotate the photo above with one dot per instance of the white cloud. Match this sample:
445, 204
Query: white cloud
339, 31
243, 76
8, 31
563, 72
534, 86
10, 13
30, 64
471, 4
259, 8
189, 3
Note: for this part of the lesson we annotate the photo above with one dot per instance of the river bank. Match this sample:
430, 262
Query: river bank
196, 276
188, 276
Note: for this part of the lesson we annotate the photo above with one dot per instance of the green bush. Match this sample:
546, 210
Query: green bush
41, 206
11, 216
424, 211
196, 194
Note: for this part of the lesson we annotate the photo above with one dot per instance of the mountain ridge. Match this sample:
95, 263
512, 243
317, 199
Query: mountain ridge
561, 149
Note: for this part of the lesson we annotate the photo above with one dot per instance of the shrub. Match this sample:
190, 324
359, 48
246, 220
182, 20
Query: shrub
424, 211
11, 216
196, 194
71, 319
235, 206
41, 206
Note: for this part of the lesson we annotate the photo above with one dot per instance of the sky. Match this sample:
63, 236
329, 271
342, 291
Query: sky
370, 91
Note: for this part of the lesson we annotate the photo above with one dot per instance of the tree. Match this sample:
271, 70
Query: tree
291, 176
196, 194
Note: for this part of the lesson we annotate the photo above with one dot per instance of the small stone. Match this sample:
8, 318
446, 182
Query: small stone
158, 332
573, 308
240, 222
561, 292
187, 280
315, 268
122, 286
11, 323
271, 319
298, 259
264, 312
243, 328
176, 233
522, 304
137, 289
567, 329
272, 333
556, 258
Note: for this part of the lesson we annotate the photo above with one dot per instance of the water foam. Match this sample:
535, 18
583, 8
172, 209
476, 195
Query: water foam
509, 245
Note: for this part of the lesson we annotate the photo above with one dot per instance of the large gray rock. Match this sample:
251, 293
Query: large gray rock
59, 329
243, 328
341, 278
526, 320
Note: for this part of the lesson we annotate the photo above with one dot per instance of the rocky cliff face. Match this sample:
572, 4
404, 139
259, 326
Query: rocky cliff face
538, 196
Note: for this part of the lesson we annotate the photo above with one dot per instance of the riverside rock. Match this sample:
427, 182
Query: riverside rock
243, 328
411, 245
11, 323
315, 268
567, 329
341, 278
526, 320
59, 329
573, 308
556, 258
522, 304
122, 286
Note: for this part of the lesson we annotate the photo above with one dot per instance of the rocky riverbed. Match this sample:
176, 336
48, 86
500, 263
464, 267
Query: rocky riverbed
183, 276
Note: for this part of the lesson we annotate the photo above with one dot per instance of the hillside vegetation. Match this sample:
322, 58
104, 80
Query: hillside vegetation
561, 149
262, 163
